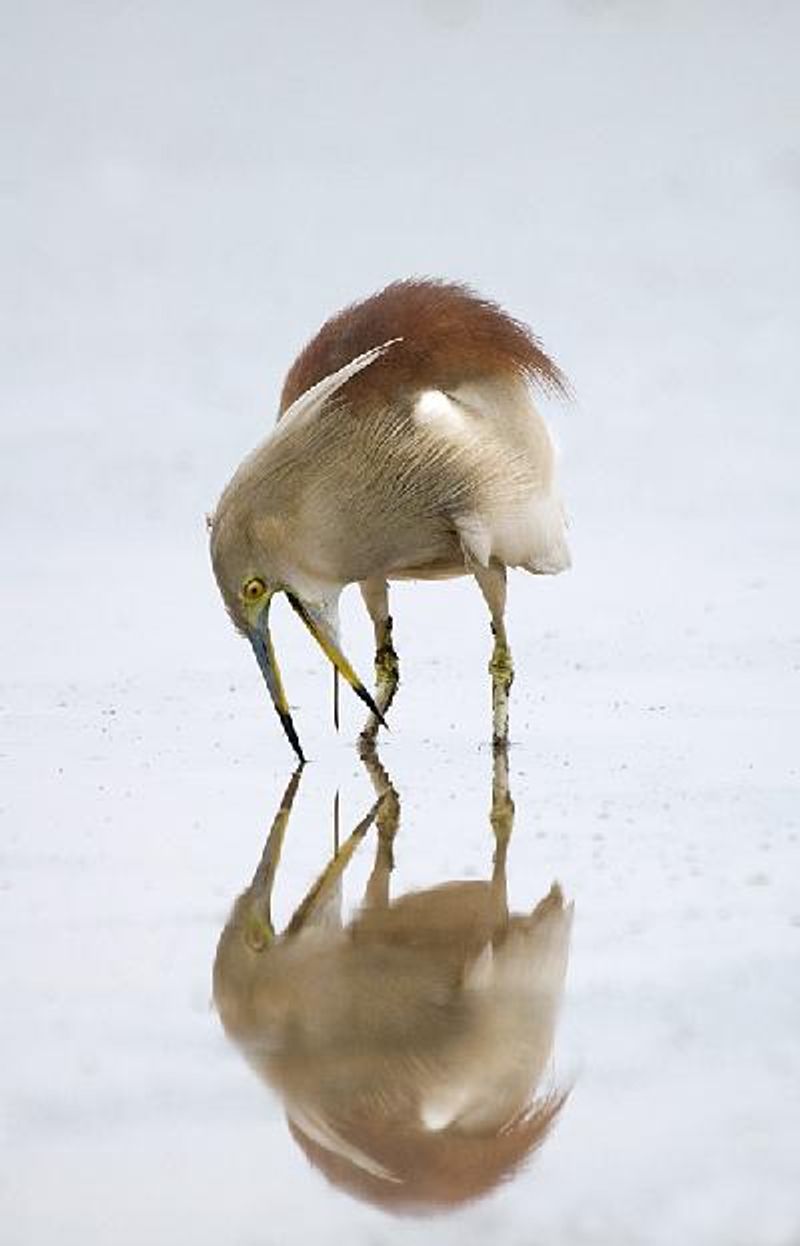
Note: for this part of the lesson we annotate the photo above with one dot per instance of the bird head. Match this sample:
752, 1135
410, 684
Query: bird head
256, 551
253, 563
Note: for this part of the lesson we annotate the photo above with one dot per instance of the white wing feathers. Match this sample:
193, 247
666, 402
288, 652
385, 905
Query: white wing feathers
312, 401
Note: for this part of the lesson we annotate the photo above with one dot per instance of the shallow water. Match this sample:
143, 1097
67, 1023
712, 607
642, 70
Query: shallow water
666, 815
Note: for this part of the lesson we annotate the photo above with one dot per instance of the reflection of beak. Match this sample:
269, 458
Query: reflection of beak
324, 634
261, 640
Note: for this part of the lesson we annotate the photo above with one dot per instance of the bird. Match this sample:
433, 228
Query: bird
412, 1047
407, 446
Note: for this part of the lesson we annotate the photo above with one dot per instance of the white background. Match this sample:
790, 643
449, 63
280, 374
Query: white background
187, 191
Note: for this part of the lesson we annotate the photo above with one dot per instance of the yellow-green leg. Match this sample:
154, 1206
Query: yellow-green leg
501, 670
492, 583
387, 666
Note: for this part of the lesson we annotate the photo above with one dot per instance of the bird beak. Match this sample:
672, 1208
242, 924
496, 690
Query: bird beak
261, 640
323, 632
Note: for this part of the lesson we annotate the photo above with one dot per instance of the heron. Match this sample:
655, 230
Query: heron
408, 446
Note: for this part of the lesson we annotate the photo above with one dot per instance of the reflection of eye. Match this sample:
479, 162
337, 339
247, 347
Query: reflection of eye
253, 589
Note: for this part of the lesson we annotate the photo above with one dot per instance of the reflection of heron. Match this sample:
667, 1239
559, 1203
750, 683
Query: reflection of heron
407, 447
411, 1046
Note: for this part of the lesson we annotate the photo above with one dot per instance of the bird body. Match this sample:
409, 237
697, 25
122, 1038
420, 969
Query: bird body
407, 445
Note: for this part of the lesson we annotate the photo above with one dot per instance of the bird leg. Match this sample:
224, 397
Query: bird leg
492, 583
387, 666
501, 670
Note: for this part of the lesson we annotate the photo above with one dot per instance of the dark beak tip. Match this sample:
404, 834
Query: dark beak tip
371, 704
369, 701
292, 736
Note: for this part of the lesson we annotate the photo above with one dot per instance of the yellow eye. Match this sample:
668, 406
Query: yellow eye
253, 590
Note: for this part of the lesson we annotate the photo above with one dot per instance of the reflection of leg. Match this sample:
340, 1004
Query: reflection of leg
492, 583
387, 667
387, 821
501, 817
376, 893
259, 929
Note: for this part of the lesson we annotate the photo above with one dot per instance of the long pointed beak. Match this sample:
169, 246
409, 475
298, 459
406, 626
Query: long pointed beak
322, 632
261, 640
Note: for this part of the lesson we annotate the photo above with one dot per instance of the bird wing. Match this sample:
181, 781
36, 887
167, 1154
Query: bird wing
310, 403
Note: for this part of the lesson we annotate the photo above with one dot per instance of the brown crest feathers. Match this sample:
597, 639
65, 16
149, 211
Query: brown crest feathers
450, 336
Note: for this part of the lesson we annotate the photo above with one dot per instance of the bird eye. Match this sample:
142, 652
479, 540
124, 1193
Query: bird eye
253, 589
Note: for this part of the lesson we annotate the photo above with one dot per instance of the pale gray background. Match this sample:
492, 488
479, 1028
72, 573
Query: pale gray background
187, 190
